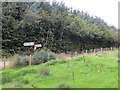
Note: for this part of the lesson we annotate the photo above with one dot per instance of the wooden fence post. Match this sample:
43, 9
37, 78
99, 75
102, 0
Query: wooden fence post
111, 49
30, 59
86, 51
75, 52
105, 49
94, 50
91, 51
4, 64
101, 49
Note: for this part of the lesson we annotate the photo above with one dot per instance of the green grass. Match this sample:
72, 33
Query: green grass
99, 71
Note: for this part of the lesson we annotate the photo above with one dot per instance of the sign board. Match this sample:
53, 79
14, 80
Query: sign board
28, 44
38, 45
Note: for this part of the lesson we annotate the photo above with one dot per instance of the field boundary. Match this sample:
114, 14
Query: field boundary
66, 56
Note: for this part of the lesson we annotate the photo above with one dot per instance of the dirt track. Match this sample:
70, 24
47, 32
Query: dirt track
6, 64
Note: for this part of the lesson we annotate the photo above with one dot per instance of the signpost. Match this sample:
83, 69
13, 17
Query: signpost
35, 46
28, 44
38, 45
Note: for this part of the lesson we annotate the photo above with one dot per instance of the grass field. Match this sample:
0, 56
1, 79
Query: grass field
99, 71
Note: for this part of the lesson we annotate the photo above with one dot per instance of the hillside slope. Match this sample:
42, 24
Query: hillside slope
99, 71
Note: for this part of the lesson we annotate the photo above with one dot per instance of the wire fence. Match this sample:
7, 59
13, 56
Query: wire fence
68, 55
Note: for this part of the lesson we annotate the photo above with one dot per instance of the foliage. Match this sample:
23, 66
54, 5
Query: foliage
55, 26
42, 56
21, 60
4, 54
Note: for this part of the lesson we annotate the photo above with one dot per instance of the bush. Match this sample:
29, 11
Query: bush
22, 60
42, 56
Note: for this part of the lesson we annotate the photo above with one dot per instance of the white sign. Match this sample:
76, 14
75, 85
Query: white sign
38, 45
28, 44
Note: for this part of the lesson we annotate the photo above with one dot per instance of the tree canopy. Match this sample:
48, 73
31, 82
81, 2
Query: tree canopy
55, 26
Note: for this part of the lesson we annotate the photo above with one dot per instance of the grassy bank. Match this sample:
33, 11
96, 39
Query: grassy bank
100, 71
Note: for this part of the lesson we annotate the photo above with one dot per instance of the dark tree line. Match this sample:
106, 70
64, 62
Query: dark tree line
55, 26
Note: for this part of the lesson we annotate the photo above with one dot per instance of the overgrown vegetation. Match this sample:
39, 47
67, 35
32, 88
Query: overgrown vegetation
38, 57
43, 56
22, 60
73, 73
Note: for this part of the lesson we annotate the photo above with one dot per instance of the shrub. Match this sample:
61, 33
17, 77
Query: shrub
42, 56
21, 60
